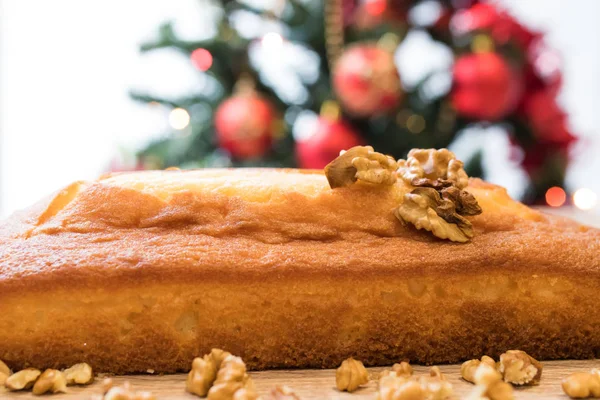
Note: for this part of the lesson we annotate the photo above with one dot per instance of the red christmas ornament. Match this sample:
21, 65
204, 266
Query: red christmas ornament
498, 23
548, 121
245, 125
371, 13
366, 80
325, 142
484, 86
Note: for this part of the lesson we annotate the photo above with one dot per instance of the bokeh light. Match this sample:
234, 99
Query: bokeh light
202, 59
272, 40
376, 7
585, 199
179, 118
556, 196
415, 124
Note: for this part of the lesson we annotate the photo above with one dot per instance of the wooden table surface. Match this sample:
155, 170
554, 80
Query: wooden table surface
320, 384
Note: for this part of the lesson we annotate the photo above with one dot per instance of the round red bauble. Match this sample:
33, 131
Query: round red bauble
366, 80
372, 13
324, 143
244, 124
484, 86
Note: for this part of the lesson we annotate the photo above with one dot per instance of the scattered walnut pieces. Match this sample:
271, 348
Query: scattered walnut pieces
431, 167
582, 384
220, 376
407, 387
468, 368
51, 380
23, 379
350, 375
79, 374
361, 163
519, 368
282, 393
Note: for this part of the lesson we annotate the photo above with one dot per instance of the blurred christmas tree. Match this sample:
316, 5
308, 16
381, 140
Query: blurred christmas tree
321, 76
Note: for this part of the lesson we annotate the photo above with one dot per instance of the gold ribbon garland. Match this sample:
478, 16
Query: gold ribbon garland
334, 30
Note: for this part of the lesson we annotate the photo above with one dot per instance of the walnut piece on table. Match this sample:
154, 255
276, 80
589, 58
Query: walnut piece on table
233, 382
394, 386
350, 375
220, 376
519, 368
202, 375
436, 386
580, 385
23, 379
489, 384
468, 368
79, 374
402, 369
51, 380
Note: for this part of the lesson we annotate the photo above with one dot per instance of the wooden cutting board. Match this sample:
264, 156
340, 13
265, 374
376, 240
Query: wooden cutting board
320, 384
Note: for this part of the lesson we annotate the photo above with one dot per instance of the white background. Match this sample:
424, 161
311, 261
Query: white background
66, 66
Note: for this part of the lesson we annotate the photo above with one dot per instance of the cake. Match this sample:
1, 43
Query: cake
146, 270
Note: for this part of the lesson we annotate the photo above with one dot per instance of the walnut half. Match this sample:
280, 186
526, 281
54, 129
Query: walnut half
422, 206
519, 368
361, 163
350, 375
581, 385
438, 203
431, 167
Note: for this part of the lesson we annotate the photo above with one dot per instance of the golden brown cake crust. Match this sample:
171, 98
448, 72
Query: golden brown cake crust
147, 270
